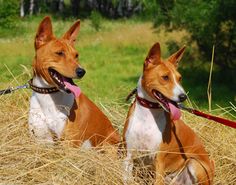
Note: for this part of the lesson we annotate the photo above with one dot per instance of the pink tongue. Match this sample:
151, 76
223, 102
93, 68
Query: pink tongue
74, 89
175, 112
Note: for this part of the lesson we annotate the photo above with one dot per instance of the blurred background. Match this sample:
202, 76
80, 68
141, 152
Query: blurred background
116, 35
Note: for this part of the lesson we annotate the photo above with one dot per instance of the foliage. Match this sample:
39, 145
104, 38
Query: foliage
96, 20
148, 9
83, 8
9, 11
210, 23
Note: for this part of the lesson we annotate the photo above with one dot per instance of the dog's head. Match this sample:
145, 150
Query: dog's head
161, 80
56, 59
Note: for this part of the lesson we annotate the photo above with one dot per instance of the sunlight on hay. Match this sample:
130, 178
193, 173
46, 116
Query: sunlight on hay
25, 162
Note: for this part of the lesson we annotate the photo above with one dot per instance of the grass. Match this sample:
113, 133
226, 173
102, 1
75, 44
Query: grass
113, 59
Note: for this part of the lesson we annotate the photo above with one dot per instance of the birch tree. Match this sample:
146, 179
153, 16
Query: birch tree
31, 8
22, 9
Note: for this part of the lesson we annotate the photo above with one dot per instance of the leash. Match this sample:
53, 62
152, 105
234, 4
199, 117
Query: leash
134, 91
223, 121
12, 89
29, 84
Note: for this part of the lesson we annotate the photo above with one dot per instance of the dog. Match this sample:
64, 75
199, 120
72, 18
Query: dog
153, 125
58, 108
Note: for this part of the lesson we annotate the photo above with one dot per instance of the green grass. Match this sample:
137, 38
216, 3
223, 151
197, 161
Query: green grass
112, 57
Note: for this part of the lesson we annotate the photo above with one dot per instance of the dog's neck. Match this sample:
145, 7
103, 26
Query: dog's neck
60, 100
146, 123
40, 82
51, 109
142, 93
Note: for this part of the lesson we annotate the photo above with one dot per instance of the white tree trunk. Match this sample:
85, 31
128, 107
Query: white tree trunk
31, 9
22, 10
61, 5
129, 5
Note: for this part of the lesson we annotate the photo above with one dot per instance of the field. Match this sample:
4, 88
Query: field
113, 60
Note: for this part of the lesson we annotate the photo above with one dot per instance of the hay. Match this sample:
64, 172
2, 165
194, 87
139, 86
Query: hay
22, 161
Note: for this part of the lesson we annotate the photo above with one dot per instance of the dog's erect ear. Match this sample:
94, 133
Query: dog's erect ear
44, 33
154, 55
72, 33
176, 57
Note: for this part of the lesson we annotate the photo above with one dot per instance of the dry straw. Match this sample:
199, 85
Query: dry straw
22, 161
209, 92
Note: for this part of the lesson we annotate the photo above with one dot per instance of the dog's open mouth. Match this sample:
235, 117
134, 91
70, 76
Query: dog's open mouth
64, 83
167, 104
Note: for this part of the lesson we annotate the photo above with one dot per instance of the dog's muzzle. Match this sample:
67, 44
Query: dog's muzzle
80, 72
182, 97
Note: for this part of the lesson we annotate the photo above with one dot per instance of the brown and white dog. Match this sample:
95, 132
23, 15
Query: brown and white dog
153, 125
58, 108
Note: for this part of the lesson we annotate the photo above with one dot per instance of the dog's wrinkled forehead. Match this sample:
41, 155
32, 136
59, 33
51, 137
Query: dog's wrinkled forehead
168, 67
63, 45
57, 46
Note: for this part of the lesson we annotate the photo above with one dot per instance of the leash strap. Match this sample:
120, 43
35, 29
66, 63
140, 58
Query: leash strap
134, 91
6, 91
223, 121
29, 84
12, 89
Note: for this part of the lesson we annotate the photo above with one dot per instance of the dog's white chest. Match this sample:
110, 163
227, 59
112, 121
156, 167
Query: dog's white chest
48, 114
145, 129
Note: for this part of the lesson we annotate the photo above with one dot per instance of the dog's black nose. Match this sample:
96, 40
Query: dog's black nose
182, 97
80, 72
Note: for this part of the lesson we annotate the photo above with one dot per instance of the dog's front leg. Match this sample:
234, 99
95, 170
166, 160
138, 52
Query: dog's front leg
160, 179
38, 127
128, 168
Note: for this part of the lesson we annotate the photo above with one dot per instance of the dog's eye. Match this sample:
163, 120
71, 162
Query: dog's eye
76, 55
60, 53
165, 77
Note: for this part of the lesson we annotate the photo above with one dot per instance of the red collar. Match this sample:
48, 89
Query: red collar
148, 104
